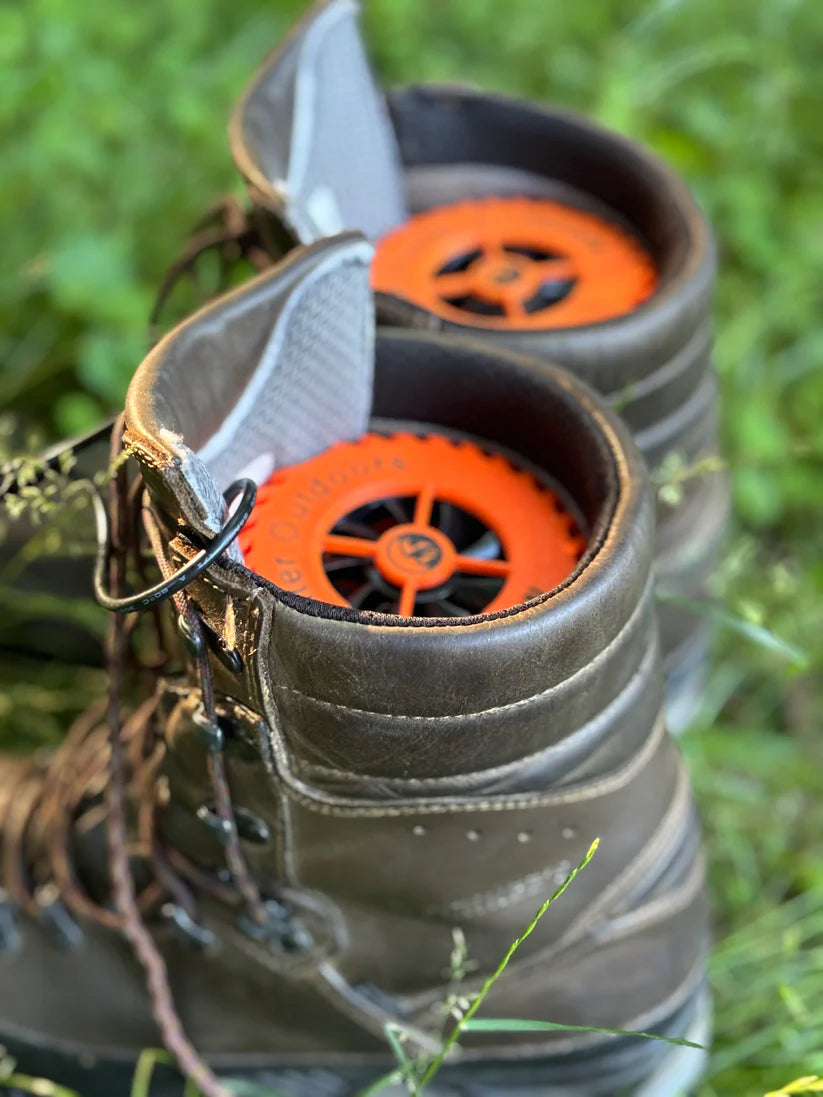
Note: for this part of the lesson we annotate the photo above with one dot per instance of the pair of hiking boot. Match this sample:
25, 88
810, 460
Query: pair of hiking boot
403, 665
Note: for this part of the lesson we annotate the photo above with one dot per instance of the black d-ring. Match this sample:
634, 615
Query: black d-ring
188, 573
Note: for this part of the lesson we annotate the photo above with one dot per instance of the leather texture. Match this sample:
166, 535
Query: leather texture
409, 776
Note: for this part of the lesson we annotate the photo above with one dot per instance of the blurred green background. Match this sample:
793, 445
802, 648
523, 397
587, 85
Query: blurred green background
114, 140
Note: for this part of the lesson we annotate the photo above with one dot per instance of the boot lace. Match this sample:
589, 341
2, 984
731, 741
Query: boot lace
106, 770
233, 235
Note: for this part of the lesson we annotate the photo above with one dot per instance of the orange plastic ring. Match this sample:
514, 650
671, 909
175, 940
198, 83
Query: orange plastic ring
514, 263
412, 525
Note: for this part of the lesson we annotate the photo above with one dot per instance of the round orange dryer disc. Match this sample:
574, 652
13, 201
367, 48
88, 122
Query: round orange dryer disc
415, 525
514, 263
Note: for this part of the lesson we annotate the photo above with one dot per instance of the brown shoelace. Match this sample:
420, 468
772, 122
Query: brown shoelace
106, 770
233, 234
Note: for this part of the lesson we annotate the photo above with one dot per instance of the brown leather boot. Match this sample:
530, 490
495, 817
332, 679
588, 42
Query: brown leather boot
304, 800
527, 226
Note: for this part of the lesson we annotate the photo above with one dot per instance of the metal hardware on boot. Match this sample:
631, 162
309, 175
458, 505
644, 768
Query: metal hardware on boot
185, 575
281, 929
9, 933
192, 640
53, 916
192, 932
220, 828
210, 731
231, 659
238, 737
251, 827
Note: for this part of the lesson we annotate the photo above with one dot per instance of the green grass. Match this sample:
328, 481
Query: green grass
114, 140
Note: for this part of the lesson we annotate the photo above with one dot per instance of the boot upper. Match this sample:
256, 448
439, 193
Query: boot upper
395, 779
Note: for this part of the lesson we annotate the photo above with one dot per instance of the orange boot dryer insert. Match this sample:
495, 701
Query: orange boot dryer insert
420, 526
514, 263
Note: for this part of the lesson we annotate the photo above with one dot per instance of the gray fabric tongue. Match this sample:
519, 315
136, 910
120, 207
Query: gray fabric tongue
267, 376
312, 382
315, 130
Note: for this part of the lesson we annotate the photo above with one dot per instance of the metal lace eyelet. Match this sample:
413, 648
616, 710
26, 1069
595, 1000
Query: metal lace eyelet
190, 931
210, 731
281, 930
220, 828
250, 827
54, 916
242, 731
231, 658
9, 933
192, 639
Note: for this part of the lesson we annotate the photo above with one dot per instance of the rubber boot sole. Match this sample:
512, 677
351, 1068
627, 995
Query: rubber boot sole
611, 1071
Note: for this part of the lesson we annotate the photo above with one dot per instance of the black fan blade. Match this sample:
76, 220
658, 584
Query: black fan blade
460, 262
486, 547
453, 521
349, 527
340, 563
475, 592
365, 591
447, 608
400, 510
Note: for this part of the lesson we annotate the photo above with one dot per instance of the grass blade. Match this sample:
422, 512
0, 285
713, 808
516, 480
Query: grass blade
242, 1087
811, 1083
40, 1087
382, 1083
143, 1072
723, 617
404, 1063
454, 1035
505, 1024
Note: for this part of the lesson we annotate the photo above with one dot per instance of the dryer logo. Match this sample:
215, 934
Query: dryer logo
414, 553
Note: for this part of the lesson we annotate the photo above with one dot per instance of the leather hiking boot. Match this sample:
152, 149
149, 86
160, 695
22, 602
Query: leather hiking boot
299, 807
527, 226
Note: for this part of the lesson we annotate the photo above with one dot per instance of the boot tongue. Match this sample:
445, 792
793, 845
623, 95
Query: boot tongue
267, 376
314, 132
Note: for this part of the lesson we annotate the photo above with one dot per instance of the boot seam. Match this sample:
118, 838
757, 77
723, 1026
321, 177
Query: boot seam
328, 804
641, 917
642, 862
531, 969
492, 900
671, 368
503, 769
642, 607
